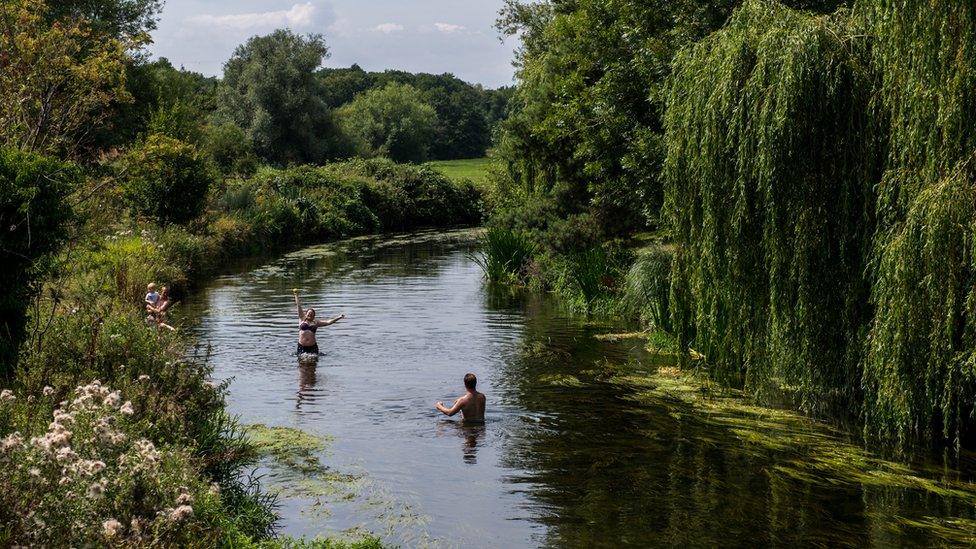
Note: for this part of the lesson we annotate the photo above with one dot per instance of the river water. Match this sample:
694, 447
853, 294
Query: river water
578, 449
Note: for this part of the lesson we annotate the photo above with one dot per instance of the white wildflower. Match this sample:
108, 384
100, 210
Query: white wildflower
185, 497
127, 409
112, 399
66, 454
143, 377
11, 441
96, 491
48, 390
180, 513
7, 395
111, 527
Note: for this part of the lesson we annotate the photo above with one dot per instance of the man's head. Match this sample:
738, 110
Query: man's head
470, 381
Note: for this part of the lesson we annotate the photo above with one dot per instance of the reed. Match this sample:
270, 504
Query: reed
504, 254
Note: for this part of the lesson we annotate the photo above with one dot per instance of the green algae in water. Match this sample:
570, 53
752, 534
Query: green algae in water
806, 450
560, 380
296, 471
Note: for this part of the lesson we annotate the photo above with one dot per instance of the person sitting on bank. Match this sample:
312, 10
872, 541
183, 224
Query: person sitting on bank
157, 312
471, 404
307, 326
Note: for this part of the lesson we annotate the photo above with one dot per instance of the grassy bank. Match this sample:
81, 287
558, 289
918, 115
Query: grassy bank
107, 435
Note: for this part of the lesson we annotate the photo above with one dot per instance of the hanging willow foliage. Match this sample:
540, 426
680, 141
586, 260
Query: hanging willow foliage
772, 150
821, 180
919, 376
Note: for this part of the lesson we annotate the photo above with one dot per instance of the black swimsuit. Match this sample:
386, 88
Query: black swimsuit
311, 349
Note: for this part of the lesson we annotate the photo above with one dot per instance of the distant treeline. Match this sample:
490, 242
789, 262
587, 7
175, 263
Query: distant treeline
334, 114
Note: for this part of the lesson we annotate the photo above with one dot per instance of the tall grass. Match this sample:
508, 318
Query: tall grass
589, 271
504, 254
647, 288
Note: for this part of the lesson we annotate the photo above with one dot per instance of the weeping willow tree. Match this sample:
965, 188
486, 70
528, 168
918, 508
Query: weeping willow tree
772, 151
821, 183
919, 376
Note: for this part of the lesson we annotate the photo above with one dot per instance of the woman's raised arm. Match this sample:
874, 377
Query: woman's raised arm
301, 313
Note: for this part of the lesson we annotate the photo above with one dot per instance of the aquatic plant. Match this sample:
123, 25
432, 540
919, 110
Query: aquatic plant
588, 271
647, 288
504, 254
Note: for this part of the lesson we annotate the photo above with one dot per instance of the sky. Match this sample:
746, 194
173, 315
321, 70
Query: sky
435, 36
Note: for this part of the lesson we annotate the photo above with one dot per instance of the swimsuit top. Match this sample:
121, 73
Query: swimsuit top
306, 326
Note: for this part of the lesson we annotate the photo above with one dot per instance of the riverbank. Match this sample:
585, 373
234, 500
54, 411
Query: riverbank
131, 416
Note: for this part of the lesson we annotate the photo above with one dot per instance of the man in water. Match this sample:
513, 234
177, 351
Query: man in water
471, 404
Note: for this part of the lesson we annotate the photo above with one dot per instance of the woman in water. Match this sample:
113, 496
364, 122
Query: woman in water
307, 326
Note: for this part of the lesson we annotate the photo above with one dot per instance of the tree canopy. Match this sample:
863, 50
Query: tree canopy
270, 90
391, 121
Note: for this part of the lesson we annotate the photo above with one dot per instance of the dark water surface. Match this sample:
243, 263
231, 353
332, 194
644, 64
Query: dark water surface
575, 452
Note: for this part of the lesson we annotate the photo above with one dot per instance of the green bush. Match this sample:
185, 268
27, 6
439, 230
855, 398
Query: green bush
231, 149
393, 121
165, 179
34, 213
91, 476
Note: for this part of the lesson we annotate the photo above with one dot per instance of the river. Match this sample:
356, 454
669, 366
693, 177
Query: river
578, 449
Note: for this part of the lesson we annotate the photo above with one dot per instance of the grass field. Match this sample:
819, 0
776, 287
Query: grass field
474, 169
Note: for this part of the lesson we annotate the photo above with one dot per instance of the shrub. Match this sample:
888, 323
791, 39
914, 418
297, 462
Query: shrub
393, 121
33, 216
231, 149
91, 476
165, 179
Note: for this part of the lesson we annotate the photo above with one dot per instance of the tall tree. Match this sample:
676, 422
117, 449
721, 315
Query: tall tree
590, 99
270, 89
57, 80
392, 121
123, 19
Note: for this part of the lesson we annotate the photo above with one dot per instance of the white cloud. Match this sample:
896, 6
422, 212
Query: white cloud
449, 28
387, 28
300, 15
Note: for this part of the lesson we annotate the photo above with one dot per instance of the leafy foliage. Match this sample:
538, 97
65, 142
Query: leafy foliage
269, 89
466, 114
166, 179
919, 370
392, 121
772, 151
586, 118
56, 80
34, 216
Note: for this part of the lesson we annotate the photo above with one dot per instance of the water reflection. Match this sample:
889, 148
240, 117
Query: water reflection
306, 381
469, 432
